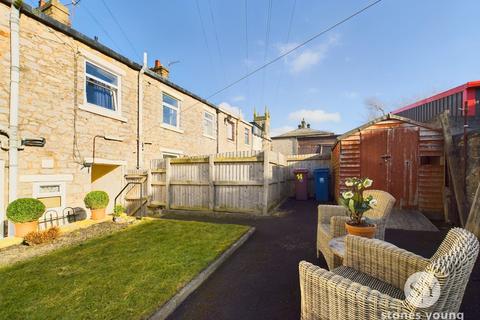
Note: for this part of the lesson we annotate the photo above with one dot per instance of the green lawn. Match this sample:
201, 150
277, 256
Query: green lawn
126, 275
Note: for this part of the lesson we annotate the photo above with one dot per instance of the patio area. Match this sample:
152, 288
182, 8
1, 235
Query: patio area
260, 281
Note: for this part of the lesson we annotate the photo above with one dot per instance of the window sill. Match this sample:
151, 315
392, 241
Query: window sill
209, 136
104, 113
172, 128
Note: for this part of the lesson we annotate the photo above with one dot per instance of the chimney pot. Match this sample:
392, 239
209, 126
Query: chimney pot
158, 64
160, 69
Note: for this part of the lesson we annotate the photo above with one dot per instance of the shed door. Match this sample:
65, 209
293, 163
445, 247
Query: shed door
403, 165
373, 149
389, 157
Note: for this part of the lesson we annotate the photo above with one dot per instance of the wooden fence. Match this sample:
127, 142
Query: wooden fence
249, 181
305, 161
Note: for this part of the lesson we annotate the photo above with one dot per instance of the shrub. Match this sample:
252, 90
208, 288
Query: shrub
25, 210
38, 237
119, 210
96, 200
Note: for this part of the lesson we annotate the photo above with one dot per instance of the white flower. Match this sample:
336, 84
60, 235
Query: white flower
372, 203
367, 183
349, 183
347, 195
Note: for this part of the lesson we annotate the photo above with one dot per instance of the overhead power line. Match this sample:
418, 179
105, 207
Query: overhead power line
101, 27
290, 23
267, 44
205, 38
217, 39
356, 13
135, 51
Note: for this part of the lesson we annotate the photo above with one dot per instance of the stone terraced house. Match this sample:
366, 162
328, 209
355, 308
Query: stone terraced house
75, 116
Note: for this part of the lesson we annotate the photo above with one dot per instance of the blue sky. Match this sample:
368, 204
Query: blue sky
396, 52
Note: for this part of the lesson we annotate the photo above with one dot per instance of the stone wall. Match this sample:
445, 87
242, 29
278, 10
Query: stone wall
53, 106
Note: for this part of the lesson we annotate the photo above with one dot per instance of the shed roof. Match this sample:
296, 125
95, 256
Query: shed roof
383, 118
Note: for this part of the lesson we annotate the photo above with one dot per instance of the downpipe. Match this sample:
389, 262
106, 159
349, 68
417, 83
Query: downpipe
140, 113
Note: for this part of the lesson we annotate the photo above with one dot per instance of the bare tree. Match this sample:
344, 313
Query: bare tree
374, 107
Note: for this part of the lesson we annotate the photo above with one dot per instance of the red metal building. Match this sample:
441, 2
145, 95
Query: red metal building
453, 99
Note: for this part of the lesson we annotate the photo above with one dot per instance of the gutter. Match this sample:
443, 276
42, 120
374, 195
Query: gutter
140, 113
14, 103
54, 24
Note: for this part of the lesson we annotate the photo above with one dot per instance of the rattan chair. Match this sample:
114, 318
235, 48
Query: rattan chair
370, 283
331, 223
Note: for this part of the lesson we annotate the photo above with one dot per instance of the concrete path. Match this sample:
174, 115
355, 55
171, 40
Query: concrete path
260, 281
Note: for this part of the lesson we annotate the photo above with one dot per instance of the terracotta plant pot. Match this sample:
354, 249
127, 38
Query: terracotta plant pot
98, 214
366, 231
21, 229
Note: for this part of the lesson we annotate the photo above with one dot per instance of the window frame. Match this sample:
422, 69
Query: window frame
246, 136
232, 131
178, 109
62, 193
213, 121
117, 113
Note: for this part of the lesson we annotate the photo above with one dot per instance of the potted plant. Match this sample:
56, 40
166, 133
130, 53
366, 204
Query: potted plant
119, 213
96, 201
25, 212
356, 205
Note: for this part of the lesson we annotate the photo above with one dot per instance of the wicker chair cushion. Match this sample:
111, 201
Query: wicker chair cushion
324, 228
369, 281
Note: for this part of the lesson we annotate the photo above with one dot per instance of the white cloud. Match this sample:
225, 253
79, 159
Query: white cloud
236, 111
238, 98
312, 90
278, 131
351, 94
304, 60
314, 116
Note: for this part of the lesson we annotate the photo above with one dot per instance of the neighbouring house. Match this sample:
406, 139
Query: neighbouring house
402, 156
304, 140
76, 116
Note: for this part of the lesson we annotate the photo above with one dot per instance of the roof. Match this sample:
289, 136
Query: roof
45, 19
440, 95
383, 118
304, 132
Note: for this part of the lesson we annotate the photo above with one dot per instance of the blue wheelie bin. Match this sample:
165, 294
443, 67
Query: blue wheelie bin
322, 184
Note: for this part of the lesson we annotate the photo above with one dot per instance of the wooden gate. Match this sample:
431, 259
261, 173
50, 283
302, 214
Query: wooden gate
389, 156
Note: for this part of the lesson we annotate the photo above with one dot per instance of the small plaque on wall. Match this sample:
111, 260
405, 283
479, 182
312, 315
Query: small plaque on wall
47, 163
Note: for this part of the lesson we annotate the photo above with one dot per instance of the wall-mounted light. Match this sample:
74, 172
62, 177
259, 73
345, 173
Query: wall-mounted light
107, 138
34, 142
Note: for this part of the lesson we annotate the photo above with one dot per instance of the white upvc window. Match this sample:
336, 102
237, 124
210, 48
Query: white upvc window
209, 124
51, 194
230, 131
102, 88
171, 111
247, 135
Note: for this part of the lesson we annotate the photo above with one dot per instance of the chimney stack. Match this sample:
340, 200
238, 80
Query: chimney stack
160, 69
56, 10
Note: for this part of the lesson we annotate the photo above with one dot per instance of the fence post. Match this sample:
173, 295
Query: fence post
266, 181
167, 183
211, 185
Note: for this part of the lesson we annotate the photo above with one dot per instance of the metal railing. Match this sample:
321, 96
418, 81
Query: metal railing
137, 204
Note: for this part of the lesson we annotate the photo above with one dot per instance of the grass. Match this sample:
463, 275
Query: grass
125, 275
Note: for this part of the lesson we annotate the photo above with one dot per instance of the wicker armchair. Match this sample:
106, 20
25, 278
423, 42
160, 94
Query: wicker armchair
331, 223
370, 283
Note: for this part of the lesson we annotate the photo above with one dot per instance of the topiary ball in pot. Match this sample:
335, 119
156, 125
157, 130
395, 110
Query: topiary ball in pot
25, 212
97, 201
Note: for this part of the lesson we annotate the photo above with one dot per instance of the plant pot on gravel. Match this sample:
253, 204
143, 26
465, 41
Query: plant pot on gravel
96, 201
24, 213
356, 205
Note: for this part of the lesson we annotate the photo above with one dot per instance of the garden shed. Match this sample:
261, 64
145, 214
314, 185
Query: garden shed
403, 157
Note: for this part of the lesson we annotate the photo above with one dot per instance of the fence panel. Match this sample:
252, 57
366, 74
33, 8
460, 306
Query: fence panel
231, 182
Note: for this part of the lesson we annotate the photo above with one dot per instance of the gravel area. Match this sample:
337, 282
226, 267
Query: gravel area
17, 253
